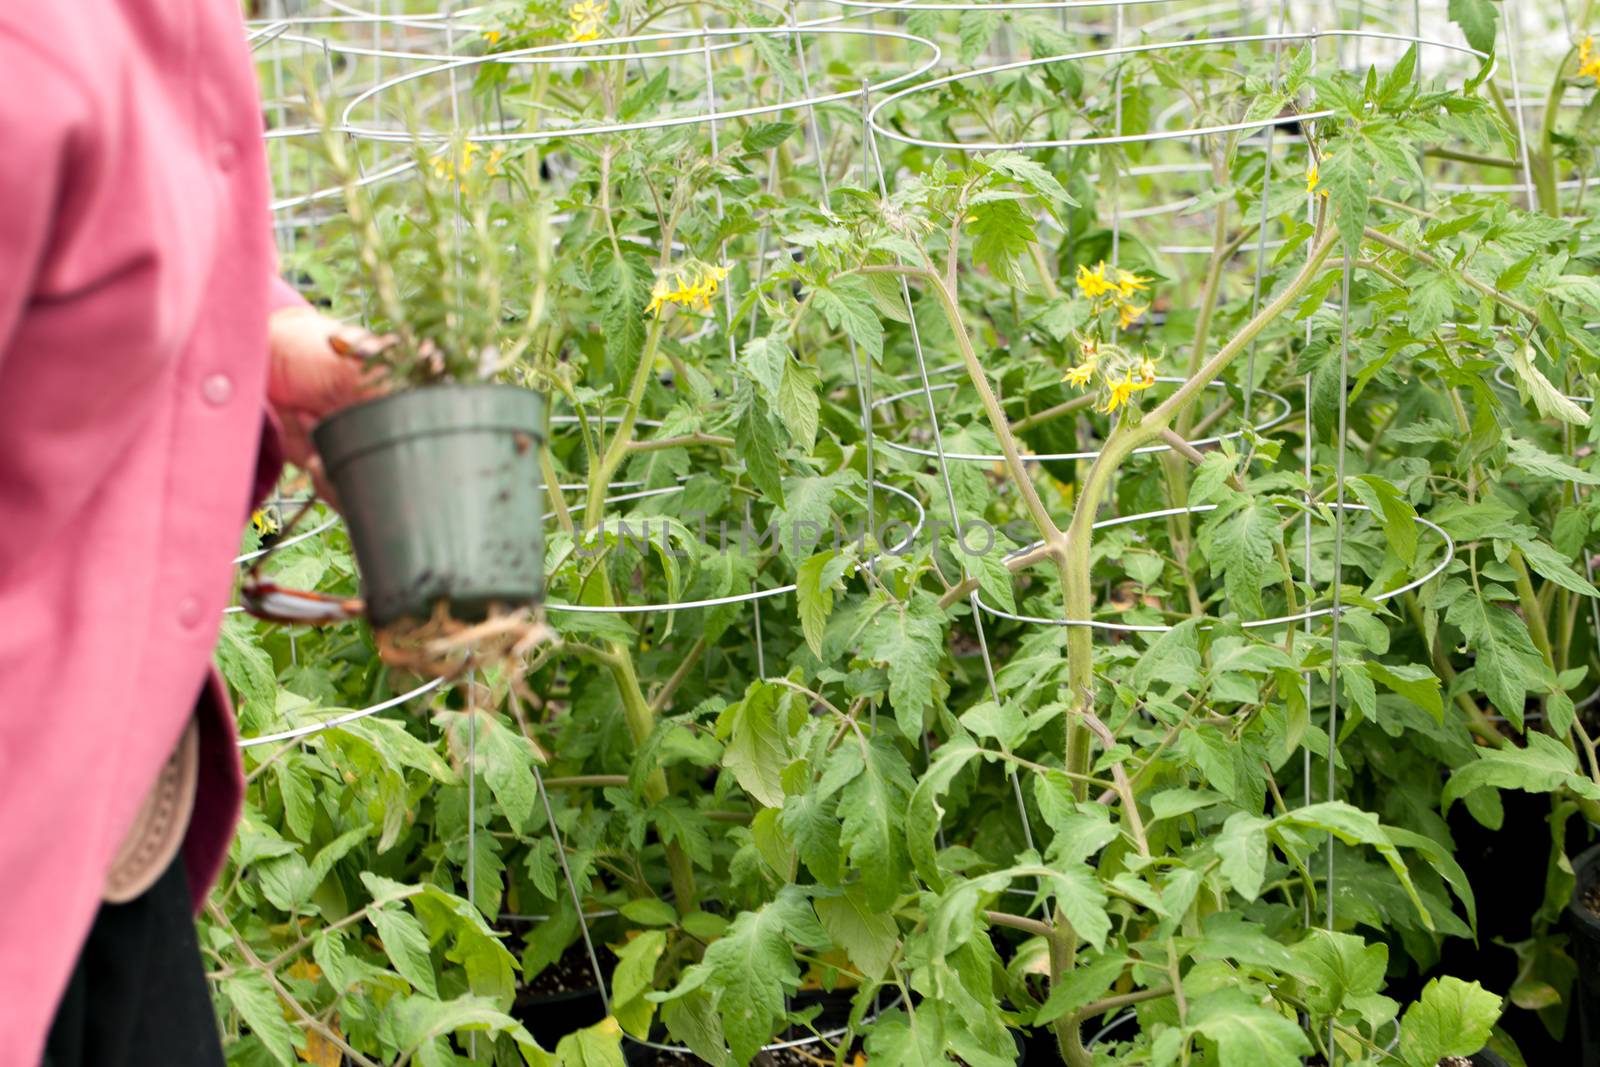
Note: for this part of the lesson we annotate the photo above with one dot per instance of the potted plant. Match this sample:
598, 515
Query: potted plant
439, 479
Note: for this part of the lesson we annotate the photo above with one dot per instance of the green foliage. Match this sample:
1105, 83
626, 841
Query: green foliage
849, 790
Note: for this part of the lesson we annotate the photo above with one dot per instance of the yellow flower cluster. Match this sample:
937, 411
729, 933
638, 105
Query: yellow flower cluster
1119, 372
264, 521
1105, 291
457, 167
691, 285
588, 19
1588, 62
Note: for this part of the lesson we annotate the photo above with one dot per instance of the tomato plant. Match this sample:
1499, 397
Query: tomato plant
1047, 563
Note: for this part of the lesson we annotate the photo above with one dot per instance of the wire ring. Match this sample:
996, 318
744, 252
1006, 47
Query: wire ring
1126, 50
733, 598
340, 720
1253, 624
1048, 457
547, 54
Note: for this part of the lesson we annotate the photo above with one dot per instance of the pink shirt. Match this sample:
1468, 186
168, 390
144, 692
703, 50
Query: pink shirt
136, 277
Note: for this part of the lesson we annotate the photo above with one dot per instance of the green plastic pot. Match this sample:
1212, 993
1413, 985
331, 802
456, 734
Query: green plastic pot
442, 495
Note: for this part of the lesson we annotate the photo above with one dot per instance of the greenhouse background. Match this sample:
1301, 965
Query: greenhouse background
1066, 535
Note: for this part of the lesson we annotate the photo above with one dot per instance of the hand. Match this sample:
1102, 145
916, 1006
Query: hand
309, 380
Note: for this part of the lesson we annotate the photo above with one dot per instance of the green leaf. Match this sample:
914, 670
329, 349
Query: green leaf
1416, 683
412, 1022
633, 977
1543, 765
1549, 564
767, 135
805, 519
1393, 511
507, 759
799, 407
1337, 967
1029, 173
262, 1012
649, 911
1431, 299
1477, 19
749, 970
599, 1045
757, 443
1529, 458
868, 936
847, 305
923, 813
1083, 902
1551, 402
407, 948
1356, 827
1247, 1032
1003, 233
908, 639
1081, 985
1243, 847
1452, 1018
246, 667
1508, 664
1346, 175
1241, 550
758, 743
872, 829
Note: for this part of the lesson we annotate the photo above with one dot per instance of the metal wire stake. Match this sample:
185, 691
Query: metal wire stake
1114, 164
727, 298
572, 888
1261, 231
1338, 557
944, 474
863, 376
1517, 113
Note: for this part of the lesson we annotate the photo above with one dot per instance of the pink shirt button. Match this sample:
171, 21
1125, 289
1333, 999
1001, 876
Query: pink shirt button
217, 390
189, 613
227, 156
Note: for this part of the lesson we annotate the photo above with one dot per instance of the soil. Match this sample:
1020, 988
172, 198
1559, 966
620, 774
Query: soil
572, 973
1591, 899
638, 1056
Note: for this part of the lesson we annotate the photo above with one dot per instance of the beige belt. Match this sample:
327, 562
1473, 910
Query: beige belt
158, 830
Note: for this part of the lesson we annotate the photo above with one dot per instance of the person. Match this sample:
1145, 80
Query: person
149, 356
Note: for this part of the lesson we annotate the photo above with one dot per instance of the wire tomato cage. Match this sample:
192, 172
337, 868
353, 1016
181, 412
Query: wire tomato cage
881, 101
884, 120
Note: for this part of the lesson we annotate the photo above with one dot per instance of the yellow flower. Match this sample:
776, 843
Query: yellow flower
492, 36
1129, 283
588, 20
264, 522
455, 168
1122, 392
1093, 283
1313, 177
1079, 376
1128, 313
1588, 62
691, 285
1147, 371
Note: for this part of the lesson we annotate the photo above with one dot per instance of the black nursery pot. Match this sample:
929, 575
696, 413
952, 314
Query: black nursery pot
1584, 927
441, 492
550, 1017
